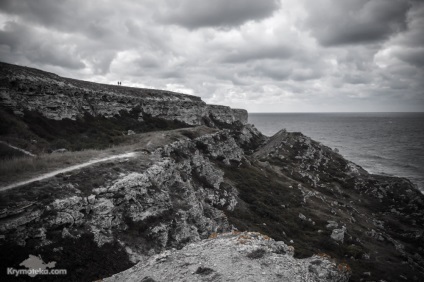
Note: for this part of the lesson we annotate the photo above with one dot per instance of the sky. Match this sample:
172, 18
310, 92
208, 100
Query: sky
263, 56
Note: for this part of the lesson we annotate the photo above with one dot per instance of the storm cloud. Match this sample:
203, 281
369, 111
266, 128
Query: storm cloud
265, 56
218, 13
355, 22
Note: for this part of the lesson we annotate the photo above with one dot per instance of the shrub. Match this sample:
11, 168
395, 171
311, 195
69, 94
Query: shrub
204, 270
256, 254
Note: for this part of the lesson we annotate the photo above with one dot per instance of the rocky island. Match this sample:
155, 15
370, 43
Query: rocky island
129, 184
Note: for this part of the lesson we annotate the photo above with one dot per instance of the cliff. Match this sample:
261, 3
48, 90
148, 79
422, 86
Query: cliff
26, 89
175, 206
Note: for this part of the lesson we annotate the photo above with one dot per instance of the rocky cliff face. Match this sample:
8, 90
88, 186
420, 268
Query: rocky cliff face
176, 195
183, 186
25, 89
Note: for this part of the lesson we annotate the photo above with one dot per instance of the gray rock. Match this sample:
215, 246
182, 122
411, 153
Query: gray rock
229, 257
62, 150
331, 224
169, 194
338, 234
57, 98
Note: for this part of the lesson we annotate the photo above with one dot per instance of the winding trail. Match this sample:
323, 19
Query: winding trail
67, 169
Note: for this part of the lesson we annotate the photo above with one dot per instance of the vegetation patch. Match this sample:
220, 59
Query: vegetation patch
256, 254
18, 167
268, 205
38, 134
82, 258
7, 152
204, 270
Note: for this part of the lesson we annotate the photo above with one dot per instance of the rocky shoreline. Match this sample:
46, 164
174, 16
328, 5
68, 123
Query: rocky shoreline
192, 190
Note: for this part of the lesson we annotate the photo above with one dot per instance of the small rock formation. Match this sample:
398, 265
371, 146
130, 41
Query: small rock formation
236, 256
61, 150
338, 234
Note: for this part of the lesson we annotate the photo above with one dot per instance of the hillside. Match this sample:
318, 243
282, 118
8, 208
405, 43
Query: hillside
41, 111
197, 177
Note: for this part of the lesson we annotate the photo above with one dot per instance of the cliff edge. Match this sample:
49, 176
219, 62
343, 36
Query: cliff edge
26, 89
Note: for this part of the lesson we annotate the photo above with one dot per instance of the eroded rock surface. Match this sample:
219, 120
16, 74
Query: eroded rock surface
26, 89
178, 197
235, 256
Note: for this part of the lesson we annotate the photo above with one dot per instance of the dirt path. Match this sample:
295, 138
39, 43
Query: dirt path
18, 149
63, 170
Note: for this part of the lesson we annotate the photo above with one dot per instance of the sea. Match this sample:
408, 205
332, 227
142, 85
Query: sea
381, 143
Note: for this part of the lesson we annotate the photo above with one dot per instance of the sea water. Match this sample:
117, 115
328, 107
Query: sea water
382, 143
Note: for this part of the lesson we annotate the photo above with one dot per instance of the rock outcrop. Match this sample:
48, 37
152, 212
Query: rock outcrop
26, 89
178, 197
235, 256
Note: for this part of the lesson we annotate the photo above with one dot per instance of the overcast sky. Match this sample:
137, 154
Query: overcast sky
264, 56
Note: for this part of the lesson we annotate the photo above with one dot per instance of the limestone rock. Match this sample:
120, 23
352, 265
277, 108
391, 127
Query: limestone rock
57, 98
235, 256
338, 234
332, 224
174, 200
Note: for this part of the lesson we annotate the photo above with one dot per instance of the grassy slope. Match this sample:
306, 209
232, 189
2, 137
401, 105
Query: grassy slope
37, 133
83, 137
82, 258
270, 204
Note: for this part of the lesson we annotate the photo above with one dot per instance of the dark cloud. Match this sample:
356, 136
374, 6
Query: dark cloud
355, 22
61, 15
409, 46
64, 15
414, 36
412, 56
35, 47
194, 14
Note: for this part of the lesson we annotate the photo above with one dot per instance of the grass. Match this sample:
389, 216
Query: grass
38, 134
20, 168
261, 210
7, 153
26, 166
263, 191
